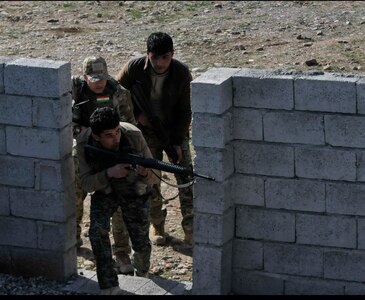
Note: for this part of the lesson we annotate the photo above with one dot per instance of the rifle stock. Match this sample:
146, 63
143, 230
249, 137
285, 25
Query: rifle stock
133, 159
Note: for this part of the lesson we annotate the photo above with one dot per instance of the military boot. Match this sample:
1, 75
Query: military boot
157, 234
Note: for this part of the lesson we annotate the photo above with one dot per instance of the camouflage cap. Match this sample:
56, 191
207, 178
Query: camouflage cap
95, 68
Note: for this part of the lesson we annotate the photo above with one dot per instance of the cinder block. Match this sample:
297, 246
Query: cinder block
221, 159
57, 236
16, 110
330, 164
214, 229
212, 197
210, 130
345, 198
212, 270
293, 259
212, 91
247, 124
293, 127
354, 288
303, 286
345, 131
257, 223
38, 143
16, 171
54, 175
263, 89
4, 201
332, 231
42, 205
361, 233
37, 77
256, 283
18, 232
360, 166
248, 190
248, 255
52, 113
295, 194
344, 265
2, 140
264, 159
3, 61
326, 92
360, 89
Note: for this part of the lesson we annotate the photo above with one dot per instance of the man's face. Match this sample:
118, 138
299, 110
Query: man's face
97, 86
109, 139
160, 63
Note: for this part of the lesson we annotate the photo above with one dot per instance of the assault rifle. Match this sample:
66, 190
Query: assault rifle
134, 159
143, 104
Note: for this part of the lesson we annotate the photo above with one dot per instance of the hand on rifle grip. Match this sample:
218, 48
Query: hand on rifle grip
118, 171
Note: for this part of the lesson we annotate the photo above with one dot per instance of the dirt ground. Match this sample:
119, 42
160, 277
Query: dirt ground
301, 35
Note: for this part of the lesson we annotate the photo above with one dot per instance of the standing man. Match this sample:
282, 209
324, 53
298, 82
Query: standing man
115, 185
96, 88
164, 82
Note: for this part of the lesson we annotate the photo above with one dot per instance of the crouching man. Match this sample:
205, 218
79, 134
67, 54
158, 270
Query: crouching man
115, 185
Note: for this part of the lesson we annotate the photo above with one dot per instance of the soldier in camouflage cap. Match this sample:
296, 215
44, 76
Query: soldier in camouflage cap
116, 186
96, 88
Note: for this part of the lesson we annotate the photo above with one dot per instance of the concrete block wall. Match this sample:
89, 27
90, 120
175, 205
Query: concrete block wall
37, 213
286, 213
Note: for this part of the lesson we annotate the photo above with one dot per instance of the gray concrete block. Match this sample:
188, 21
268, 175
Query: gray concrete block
247, 124
212, 91
57, 236
263, 89
332, 231
330, 164
361, 233
37, 143
325, 93
3, 61
303, 286
263, 159
354, 288
360, 166
4, 201
156, 286
37, 77
213, 229
248, 255
256, 223
345, 131
182, 288
16, 171
16, 110
217, 163
256, 283
360, 90
54, 175
344, 265
2, 140
52, 113
293, 127
210, 130
212, 270
293, 259
18, 232
294, 194
212, 197
42, 205
345, 198
248, 190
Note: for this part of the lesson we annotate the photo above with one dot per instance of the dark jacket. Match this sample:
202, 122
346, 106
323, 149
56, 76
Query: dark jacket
176, 94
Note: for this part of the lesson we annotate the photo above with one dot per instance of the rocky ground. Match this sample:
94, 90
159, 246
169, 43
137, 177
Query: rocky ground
301, 35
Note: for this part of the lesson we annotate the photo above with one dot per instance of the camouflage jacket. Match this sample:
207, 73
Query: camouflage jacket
86, 101
93, 172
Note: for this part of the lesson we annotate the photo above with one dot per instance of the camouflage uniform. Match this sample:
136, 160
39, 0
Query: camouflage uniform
85, 102
132, 194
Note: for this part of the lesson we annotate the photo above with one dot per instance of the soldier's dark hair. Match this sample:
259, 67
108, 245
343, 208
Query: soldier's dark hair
103, 118
159, 43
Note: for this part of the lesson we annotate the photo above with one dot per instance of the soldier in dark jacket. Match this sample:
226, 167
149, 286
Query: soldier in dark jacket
96, 88
165, 82
115, 185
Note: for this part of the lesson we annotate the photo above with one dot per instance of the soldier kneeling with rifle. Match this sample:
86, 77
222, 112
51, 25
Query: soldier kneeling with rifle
115, 185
